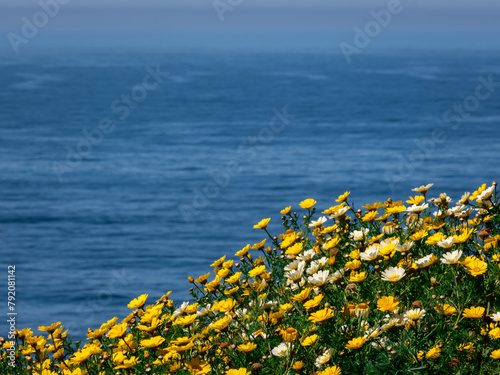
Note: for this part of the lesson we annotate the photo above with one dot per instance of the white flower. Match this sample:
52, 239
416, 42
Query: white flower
415, 314
358, 235
319, 222
371, 253
282, 349
205, 311
465, 198
308, 255
313, 268
446, 243
422, 189
296, 264
393, 274
425, 261
496, 317
486, 194
456, 209
417, 209
464, 213
319, 278
440, 214
340, 212
452, 257
181, 309
405, 247
324, 358
337, 275
294, 275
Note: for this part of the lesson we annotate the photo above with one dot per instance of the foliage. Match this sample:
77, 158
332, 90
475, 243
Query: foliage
387, 289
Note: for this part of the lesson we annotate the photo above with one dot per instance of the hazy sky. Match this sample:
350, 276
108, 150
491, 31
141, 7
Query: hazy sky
198, 22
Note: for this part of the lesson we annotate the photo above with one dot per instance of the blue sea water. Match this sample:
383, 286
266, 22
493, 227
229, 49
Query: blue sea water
178, 176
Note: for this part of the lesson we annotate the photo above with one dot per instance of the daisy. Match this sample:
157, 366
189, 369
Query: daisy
415, 314
282, 349
323, 358
318, 223
405, 247
417, 209
446, 243
496, 317
370, 254
359, 235
426, 261
452, 257
393, 274
319, 278
340, 212
422, 189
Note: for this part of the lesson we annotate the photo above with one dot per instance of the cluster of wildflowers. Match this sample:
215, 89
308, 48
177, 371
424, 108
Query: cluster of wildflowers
389, 288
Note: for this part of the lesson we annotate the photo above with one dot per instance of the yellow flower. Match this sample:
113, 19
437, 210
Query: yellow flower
343, 197
309, 340
153, 342
202, 279
289, 335
262, 224
221, 324
370, 216
299, 365
185, 320
416, 200
474, 312
49, 329
218, 262
138, 302
353, 265
445, 309
117, 331
321, 315
259, 245
335, 370
476, 267
469, 346
434, 353
307, 204
234, 278
356, 343
295, 249
247, 348
213, 285
419, 235
243, 251
495, 333
240, 371
302, 296
357, 277
313, 302
223, 273
495, 354
387, 304
396, 209
478, 192
257, 271
286, 210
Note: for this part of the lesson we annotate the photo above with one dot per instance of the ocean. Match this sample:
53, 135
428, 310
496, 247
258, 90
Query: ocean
124, 171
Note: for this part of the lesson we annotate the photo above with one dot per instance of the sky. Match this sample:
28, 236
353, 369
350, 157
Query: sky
251, 22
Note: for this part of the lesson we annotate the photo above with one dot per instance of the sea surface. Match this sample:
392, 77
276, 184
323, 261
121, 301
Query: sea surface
124, 171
